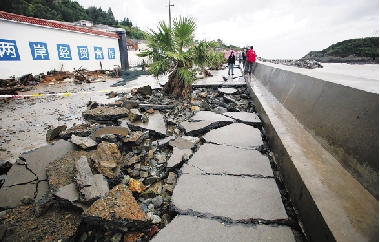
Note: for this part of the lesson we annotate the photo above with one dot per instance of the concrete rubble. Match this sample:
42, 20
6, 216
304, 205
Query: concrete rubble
131, 168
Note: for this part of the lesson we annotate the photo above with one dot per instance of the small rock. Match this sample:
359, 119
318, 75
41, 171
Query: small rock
27, 200
136, 186
54, 133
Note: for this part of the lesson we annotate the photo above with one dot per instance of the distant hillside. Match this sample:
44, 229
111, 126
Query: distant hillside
353, 50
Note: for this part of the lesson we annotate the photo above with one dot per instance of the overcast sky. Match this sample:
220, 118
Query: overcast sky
286, 29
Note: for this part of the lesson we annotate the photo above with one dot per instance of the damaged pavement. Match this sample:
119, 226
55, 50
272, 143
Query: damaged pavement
148, 167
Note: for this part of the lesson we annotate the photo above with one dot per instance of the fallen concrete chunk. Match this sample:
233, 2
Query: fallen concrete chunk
83, 142
134, 115
156, 124
107, 159
85, 181
61, 172
82, 130
117, 208
102, 184
145, 90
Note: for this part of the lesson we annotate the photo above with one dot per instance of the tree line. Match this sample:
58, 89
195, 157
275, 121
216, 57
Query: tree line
69, 11
363, 47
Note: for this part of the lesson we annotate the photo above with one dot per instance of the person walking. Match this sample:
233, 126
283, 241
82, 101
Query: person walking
250, 62
231, 62
244, 57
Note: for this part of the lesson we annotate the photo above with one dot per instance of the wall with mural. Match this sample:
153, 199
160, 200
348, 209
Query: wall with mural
28, 48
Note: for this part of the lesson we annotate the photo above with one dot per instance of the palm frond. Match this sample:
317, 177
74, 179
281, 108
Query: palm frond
158, 68
186, 75
183, 32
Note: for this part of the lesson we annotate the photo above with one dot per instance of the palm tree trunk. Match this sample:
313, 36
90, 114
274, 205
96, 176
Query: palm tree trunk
177, 87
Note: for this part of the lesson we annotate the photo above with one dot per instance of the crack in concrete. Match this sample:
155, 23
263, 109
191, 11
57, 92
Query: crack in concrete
229, 174
231, 222
239, 147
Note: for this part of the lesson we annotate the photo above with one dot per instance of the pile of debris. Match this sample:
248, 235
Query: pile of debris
308, 64
116, 172
24, 83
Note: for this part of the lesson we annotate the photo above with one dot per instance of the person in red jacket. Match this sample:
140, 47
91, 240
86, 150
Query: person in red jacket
250, 63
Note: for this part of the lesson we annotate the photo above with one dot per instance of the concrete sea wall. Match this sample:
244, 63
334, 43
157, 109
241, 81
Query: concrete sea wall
324, 138
343, 119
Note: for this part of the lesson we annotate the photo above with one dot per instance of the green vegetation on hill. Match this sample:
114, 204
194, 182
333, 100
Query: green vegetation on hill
69, 11
364, 47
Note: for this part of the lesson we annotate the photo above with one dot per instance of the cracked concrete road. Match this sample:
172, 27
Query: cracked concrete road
227, 191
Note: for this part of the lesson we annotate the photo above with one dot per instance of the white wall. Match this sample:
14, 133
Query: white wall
24, 34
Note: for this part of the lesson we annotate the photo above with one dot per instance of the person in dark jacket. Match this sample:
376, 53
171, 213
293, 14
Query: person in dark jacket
243, 54
231, 62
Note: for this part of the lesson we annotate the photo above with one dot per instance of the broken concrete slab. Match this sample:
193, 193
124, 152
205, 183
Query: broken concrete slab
85, 181
227, 90
105, 113
60, 172
182, 143
236, 134
69, 192
178, 156
210, 116
199, 127
102, 184
19, 174
42, 188
162, 142
193, 170
250, 118
82, 130
219, 159
155, 106
202, 229
238, 198
156, 124
38, 160
10, 197
117, 208
83, 142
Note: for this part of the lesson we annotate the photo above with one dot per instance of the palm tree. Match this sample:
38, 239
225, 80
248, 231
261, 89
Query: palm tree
171, 52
